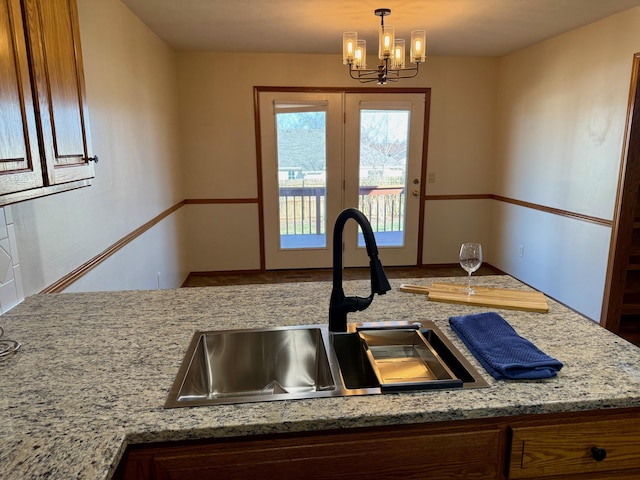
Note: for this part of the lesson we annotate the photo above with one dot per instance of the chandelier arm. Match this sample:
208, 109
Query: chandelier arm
362, 73
382, 74
411, 72
367, 80
363, 76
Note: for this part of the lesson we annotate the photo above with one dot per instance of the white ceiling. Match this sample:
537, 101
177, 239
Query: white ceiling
454, 27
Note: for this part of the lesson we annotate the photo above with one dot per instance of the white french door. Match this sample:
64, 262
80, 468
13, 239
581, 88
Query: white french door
323, 152
382, 169
301, 150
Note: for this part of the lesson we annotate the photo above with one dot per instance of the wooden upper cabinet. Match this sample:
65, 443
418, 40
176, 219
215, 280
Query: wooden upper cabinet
54, 38
44, 127
20, 167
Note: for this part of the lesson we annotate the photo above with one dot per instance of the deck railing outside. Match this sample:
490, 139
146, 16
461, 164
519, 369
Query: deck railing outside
302, 209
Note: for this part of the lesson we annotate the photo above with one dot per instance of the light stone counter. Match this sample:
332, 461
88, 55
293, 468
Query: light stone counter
95, 370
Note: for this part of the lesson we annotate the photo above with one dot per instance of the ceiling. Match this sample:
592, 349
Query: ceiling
454, 27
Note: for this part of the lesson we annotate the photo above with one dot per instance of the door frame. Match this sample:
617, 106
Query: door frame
622, 228
413, 105
425, 148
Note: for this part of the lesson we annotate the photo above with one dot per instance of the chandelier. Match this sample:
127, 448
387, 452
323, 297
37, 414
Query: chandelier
391, 52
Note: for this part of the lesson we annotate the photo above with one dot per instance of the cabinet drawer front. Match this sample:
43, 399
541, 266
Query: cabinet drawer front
464, 455
567, 448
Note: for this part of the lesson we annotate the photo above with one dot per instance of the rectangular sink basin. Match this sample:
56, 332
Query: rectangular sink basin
402, 359
286, 363
236, 366
416, 357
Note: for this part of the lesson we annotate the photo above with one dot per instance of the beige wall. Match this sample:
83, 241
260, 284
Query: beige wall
543, 125
461, 150
217, 130
131, 90
561, 118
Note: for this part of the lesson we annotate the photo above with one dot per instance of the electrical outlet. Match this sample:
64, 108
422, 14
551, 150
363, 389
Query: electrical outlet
431, 178
521, 251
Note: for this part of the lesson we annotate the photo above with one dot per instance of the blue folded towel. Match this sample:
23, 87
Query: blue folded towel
499, 348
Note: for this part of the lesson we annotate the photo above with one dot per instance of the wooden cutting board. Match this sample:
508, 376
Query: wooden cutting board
530, 301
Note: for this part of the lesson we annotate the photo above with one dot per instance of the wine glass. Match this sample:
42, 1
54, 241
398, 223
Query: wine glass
470, 261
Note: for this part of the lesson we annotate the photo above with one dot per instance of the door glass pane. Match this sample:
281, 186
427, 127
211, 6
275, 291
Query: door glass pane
384, 136
302, 166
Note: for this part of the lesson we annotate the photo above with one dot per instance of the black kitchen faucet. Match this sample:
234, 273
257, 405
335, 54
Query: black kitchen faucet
339, 305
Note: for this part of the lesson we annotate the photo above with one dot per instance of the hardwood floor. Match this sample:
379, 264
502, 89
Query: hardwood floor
207, 279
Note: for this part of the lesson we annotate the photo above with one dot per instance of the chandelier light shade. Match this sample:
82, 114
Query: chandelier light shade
418, 46
398, 54
349, 45
387, 38
361, 54
391, 52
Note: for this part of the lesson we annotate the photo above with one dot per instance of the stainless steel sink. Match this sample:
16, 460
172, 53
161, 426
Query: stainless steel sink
237, 366
359, 374
280, 363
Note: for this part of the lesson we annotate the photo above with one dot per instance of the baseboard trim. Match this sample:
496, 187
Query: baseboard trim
453, 265
219, 272
213, 273
219, 201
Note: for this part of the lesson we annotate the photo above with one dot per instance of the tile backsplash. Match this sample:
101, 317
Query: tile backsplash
11, 291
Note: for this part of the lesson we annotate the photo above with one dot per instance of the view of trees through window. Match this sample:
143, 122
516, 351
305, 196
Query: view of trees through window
301, 144
383, 147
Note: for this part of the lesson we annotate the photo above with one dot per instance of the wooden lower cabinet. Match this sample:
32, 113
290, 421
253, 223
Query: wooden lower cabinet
607, 448
553, 447
408, 452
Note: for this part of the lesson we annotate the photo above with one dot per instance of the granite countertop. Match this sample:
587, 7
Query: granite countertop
95, 369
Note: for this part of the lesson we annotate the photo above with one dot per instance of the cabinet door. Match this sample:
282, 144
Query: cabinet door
54, 38
597, 447
381, 454
20, 167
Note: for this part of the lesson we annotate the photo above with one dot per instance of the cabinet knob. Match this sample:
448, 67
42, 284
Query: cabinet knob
598, 454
